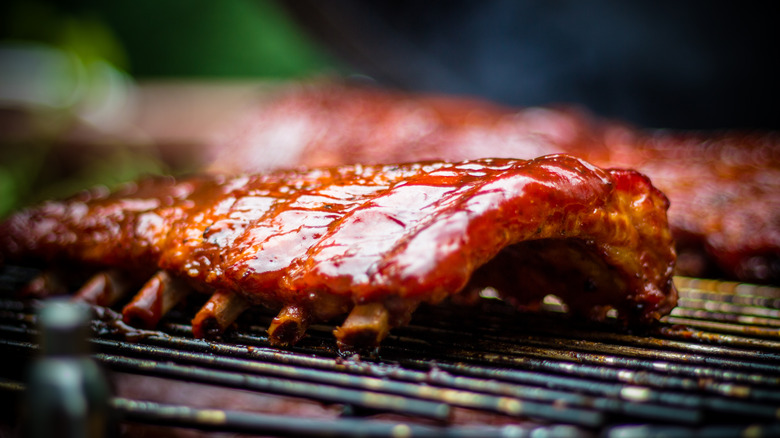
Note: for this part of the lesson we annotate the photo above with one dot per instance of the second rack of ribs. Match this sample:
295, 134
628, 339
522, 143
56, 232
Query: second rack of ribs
369, 242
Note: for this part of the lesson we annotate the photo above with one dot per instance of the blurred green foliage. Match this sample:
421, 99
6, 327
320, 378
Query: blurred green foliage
173, 38
234, 38
148, 39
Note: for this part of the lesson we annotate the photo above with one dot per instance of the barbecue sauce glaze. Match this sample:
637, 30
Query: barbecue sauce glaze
373, 240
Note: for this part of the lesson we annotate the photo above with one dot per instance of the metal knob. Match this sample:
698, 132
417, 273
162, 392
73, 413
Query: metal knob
67, 393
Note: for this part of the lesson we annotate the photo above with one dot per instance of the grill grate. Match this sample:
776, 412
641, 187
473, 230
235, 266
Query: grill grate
712, 368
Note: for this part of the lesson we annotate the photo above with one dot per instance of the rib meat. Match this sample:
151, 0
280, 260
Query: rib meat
724, 187
369, 242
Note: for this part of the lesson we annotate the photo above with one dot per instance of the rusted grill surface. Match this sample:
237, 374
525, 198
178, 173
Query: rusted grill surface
712, 368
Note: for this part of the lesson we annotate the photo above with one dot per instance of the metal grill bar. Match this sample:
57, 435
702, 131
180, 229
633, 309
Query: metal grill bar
714, 326
251, 422
243, 422
689, 334
720, 373
726, 289
616, 339
428, 378
753, 430
504, 405
236, 421
746, 306
325, 393
371, 396
732, 318
629, 356
601, 373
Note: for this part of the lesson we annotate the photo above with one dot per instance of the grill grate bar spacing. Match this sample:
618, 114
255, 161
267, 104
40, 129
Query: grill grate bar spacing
732, 318
721, 327
433, 376
755, 307
490, 371
222, 420
455, 397
630, 356
295, 381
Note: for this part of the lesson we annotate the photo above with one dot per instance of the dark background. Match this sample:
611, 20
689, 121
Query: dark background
659, 63
662, 63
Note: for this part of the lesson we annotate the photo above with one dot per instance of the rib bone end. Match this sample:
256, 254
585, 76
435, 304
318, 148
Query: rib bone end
217, 314
104, 288
366, 326
289, 326
156, 298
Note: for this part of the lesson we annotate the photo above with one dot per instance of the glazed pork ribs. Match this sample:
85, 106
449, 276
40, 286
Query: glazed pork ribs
367, 242
724, 187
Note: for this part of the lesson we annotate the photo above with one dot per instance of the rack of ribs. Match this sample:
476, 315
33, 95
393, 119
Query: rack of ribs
368, 242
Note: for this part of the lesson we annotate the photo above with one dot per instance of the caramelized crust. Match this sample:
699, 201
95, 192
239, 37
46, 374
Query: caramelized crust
379, 239
724, 187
